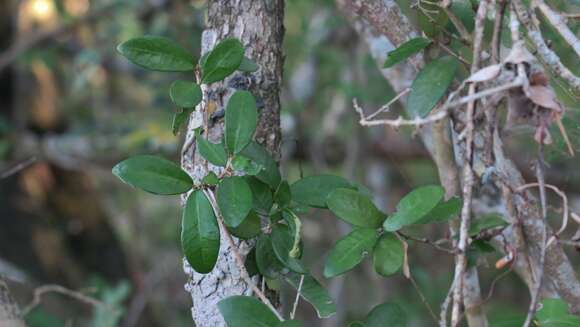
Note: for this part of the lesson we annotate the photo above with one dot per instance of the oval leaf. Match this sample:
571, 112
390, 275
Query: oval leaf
234, 198
249, 228
266, 260
246, 311
222, 61
269, 173
153, 174
248, 65
240, 121
157, 53
430, 85
354, 208
486, 222
200, 235
282, 243
388, 255
214, 153
314, 293
350, 251
387, 314
414, 206
443, 211
261, 194
185, 94
314, 190
406, 50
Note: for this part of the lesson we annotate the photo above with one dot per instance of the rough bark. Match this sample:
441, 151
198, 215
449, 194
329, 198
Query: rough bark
259, 25
9, 310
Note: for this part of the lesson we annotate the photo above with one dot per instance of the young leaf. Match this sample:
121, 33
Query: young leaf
414, 206
179, 118
314, 190
270, 173
430, 85
314, 293
246, 311
282, 243
354, 208
248, 65
157, 53
249, 228
486, 222
388, 255
386, 314
153, 174
185, 94
234, 198
222, 61
350, 251
240, 121
406, 50
261, 194
443, 211
210, 179
214, 153
283, 195
200, 235
266, 260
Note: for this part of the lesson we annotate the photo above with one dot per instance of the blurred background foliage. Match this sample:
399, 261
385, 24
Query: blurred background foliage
70, 108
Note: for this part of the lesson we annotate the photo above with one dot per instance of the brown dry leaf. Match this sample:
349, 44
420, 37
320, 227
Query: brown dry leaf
544, 97
485, 74
519, 54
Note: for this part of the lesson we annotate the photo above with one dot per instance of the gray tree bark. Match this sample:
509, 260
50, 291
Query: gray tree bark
9, 310
259, 26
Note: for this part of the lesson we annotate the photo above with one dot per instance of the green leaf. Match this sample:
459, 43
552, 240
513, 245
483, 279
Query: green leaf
246, 311
250, 263
222, 61
350, 251
246, 165
388, 255
356, 324
240, 122
314, 293
283, 195
185, 94
314, 190
248, 65
414, 206
386, 314
443, 211
153, 174
261, 194
234, 198
282, 243
266, 260
486, 222
212, 152
179, 118
289, 323
200, 234
210, 179
406, 50
430, 85
270, 174
249, 228
552, 308
354, 208
157, 53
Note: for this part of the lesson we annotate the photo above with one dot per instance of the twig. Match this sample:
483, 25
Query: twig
497, 27
387, 106
445, 305
40, 291
548, 56
297, 299
423, 298
559, 24
468, 174
451, 52
455, 21
238, 256
18, 167
396, 123
434, 244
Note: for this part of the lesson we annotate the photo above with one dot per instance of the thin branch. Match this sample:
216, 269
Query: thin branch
423, 298
396, 123
18, 167
434, 244
455, 21
40, 291
497, 27
238, 256
451, 52
387, 106
297, 299
445, 305
559, 24
468, 174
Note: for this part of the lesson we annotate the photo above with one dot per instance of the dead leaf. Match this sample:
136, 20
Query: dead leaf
544, 97
485, 74
519, 54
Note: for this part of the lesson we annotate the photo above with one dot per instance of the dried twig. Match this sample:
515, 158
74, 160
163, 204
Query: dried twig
396, 123
40, 291
497, 28
559, 24
238, 256
427, 241
465, 36
297, 299
387, 106
18, 167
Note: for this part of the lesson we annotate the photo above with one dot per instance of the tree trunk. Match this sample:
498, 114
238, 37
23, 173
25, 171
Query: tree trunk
9, 311
259, 25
